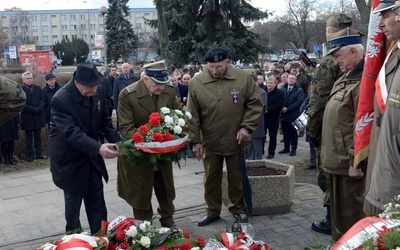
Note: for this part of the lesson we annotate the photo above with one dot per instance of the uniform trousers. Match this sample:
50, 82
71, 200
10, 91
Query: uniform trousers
93, 199
346, 203
213, 165
31, 135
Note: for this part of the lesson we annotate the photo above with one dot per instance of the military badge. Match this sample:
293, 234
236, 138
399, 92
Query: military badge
235, 96
216, 58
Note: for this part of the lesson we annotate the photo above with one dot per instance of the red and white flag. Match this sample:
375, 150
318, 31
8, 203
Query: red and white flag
374, 58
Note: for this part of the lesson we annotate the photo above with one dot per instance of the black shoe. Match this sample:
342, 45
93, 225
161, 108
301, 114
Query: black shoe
323, 227
310, 166
206, 221
41, 157
293, 152
301, 134
30, 159
169, 224
284, 151
270, 156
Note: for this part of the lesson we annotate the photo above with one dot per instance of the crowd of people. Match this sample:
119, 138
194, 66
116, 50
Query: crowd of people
232, 111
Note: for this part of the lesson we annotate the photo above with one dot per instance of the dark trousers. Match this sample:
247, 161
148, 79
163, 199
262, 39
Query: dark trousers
272, 133
35, 135
95, 205
290, 136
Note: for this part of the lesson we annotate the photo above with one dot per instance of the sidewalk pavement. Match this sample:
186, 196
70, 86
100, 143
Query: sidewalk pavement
32, 208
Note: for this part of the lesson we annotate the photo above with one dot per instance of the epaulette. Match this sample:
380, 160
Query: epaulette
131, 87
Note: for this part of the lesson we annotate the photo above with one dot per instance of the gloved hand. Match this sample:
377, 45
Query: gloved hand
36, 111
315, 142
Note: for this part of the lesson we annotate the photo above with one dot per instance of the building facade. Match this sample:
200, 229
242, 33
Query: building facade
45, 27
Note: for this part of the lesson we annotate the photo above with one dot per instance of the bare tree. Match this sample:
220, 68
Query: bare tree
19, 26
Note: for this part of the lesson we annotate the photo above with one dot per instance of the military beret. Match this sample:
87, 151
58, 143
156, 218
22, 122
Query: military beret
216, 55
49, 76
157, 71
384, 5
339, 20
344, 37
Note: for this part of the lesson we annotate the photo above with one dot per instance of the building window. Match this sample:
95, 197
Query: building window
54, 26
73, 27
55, 36
33, 18
65, 37
93, 26
63, 17
83, 17
138, 25
74, 36
73, 17
64, 27
83, 26
91, 16
43, 18
45, 38
44, 27
34, 28
36, 38
147, 14
53, 16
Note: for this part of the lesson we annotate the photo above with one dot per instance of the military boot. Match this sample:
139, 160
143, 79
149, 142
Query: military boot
323, 226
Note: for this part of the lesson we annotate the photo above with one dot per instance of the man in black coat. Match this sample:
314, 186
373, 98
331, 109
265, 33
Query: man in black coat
290, 112
78, 115
32, 117
49, 90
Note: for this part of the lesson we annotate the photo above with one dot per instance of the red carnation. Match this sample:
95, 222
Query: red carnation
241, 236
186, 234
144, 129
124, 245
176, 247
158, 137
112, 247
137, 137
155, 119
168, 136
186, 245
254, 246
201, 241
162, 248
120, 236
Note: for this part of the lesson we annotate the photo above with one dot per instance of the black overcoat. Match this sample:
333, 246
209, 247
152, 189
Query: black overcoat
274, 107
48, 94
32, 116
76, 122
9, 130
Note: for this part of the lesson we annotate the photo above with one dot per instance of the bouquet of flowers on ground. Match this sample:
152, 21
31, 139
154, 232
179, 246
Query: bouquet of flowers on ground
382, 233
235, 241
164, 137
128, 233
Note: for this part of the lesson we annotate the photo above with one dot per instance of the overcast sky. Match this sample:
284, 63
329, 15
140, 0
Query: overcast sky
93, 4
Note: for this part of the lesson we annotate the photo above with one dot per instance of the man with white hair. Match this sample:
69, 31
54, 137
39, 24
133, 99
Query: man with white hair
347, 184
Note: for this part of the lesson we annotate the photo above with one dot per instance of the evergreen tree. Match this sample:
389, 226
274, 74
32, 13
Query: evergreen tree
197, 25
121, 39
72, 51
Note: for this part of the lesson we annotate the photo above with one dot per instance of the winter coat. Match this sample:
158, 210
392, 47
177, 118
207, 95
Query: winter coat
274, 107
48, 94
32, 116
292, 102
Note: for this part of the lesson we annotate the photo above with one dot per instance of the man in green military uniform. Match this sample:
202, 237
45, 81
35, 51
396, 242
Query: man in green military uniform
225, 105
135, 183
12, 99
324, 77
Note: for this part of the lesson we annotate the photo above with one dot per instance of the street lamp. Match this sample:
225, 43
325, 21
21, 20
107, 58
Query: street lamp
88, 22
103, 11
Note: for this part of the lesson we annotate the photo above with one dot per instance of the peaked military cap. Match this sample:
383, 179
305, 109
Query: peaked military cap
157, 71
339, 20
216, 55
384, 5
344, 37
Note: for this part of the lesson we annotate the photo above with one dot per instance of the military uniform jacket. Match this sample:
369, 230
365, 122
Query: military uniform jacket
76, 122
323, 80
12, 99
385, 176
31, 119
220, 107
337, 148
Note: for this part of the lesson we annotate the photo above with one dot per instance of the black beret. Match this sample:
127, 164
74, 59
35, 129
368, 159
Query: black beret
49, 76
216, 55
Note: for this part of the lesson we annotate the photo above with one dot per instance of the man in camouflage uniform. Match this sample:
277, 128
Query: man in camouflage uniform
324, 78
12, 99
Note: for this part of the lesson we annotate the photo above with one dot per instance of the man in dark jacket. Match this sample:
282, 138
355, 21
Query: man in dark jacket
78, 115
294, 97
32, 117
48, 92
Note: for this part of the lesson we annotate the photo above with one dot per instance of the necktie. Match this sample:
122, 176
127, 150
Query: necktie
289, 89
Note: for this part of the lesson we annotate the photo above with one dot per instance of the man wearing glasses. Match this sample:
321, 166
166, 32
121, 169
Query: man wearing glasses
226, 107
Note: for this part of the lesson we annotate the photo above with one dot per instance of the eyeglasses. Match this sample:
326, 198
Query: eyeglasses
396, 9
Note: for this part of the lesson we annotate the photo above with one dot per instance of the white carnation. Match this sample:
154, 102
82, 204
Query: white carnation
145, 226
188, 115
165, 110
132, 231
178, 112
177, 130
168, 119
181, 122
145, 241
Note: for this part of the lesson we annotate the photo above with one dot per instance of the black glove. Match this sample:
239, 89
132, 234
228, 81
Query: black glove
36, 111
315, 142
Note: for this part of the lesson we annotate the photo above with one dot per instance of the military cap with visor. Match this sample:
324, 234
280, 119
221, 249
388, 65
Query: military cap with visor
339, 20
157, 71
344, 38
384, 5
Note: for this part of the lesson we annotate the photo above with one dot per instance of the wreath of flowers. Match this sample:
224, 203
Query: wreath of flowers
163, 138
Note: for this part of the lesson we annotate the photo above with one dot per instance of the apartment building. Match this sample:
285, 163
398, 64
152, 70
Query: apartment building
46, 27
